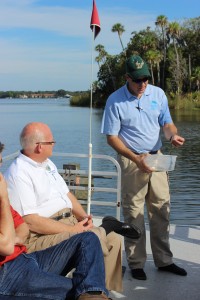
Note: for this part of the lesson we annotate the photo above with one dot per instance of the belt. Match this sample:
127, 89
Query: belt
150, 152
153, 152
62, 216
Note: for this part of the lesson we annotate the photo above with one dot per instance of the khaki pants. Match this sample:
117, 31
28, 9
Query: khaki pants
111, 247
138, 188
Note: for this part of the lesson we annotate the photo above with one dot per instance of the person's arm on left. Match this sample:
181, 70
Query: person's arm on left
171, 134
21, 234
7, 230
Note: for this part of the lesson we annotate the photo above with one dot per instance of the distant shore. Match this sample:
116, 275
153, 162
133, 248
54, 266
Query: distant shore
187, 101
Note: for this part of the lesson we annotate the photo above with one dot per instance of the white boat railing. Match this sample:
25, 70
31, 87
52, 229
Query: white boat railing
67, 172
95, 174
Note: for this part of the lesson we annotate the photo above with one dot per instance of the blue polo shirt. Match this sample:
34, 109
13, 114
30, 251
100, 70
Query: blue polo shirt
137, 122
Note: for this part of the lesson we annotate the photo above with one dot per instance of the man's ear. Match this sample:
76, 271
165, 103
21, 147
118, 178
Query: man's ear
38, 148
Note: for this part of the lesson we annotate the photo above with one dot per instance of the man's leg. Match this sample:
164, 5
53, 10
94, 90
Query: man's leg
159, 211
22, 277
111, 247
39, 274
134, 189
82, 252
158, 206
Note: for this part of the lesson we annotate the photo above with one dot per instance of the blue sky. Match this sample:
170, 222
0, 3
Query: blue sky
47, 44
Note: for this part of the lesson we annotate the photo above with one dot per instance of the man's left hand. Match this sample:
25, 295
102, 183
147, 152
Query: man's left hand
177, 140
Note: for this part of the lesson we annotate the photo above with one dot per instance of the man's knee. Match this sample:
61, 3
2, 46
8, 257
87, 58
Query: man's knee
91, 237
114, 238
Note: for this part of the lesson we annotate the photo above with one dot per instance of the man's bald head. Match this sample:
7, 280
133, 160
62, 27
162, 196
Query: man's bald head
32, 134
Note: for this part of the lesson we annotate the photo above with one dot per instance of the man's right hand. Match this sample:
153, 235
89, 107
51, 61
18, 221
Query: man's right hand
139, 160
84, 225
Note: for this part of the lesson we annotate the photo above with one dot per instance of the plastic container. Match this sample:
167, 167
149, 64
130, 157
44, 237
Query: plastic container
161, 163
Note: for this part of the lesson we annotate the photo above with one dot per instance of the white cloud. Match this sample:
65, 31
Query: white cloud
46, 64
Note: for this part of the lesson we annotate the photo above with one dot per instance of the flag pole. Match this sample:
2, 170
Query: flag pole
95, 26
90, 138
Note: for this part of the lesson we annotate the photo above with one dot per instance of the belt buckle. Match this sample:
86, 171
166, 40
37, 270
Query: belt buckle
65, 215
62, 216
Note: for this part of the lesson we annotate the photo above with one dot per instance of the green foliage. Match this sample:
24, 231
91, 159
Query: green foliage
187, 101
61, 93
172, 52
82, 99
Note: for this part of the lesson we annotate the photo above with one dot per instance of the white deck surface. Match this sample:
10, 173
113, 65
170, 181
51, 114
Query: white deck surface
185, 245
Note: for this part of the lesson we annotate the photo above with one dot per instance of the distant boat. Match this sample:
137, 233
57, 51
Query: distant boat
67, 96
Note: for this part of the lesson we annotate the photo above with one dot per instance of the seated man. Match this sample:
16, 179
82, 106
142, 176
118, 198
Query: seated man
38, 193
41, 274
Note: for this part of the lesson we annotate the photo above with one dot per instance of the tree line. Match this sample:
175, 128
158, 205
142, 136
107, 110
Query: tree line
37, 94
172, 51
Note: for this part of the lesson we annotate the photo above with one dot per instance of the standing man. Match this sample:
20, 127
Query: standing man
132, 120
41, 275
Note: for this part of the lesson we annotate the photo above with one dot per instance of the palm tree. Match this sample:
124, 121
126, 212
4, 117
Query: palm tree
102, 53
98, 60
103, 56
154, 57
174, 32
162, 22
141, 42
148, 40
119, 29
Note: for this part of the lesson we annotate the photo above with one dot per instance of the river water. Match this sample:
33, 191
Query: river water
70, 126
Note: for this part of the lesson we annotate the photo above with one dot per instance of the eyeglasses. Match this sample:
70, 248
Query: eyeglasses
46, 143
140, 80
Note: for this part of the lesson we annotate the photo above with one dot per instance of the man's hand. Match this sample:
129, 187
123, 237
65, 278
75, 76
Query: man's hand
139, 160
177, 140
83, 225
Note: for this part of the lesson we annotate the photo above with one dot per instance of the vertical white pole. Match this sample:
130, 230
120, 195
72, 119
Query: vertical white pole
90, 138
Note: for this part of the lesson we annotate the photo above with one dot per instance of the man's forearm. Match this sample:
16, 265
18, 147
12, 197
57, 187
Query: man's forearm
119, 147
78, 210
44, 225
169, 130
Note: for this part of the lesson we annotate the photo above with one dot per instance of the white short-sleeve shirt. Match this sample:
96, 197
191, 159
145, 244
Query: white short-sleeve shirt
36, 188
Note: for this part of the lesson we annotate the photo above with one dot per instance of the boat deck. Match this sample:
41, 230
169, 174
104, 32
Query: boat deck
185, 245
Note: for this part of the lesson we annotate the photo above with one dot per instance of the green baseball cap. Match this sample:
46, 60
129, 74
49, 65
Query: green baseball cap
137, 68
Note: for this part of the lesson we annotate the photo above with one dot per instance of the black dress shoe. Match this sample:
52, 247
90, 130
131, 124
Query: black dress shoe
173, 269
110, 223
139, 274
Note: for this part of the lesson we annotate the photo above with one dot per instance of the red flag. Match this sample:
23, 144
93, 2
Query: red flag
95, 23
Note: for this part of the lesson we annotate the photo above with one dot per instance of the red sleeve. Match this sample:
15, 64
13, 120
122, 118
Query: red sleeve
16, 218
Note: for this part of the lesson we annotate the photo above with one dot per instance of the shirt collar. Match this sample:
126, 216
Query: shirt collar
32, 162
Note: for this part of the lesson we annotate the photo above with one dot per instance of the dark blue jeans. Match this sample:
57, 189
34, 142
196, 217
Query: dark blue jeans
41, 274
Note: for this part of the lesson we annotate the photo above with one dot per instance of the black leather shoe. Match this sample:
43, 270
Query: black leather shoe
173, 269
139, 274
110, 223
